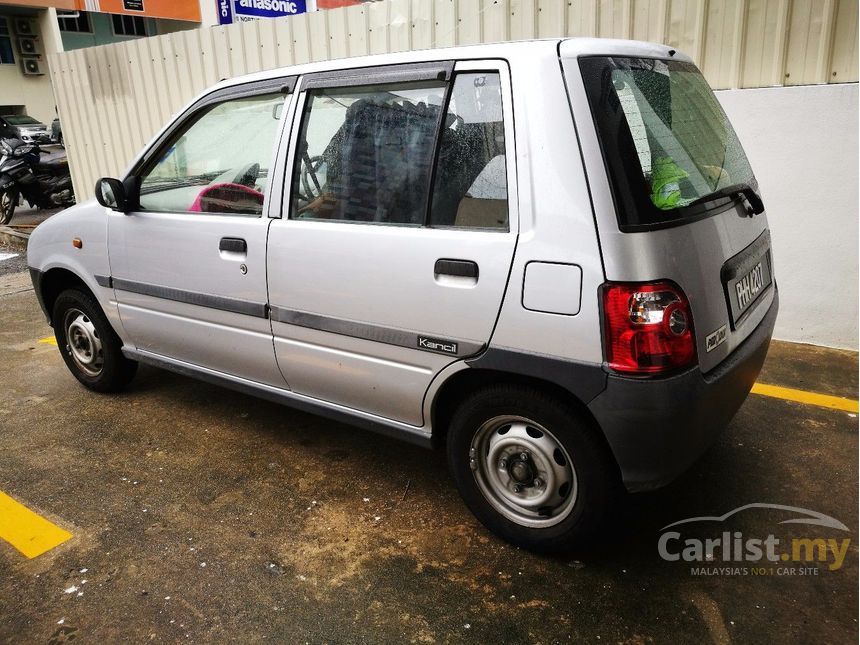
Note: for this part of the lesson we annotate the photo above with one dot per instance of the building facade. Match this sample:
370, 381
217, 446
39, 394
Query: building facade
31, 30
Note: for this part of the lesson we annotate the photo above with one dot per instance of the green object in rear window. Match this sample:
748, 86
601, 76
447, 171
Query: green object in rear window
666, 176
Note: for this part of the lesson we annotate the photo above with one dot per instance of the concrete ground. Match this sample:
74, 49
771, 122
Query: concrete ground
201, 514
27, 218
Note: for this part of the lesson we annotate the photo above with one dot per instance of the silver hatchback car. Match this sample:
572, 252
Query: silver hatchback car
549, 256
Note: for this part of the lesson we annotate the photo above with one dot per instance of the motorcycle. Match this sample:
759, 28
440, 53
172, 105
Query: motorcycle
39, 176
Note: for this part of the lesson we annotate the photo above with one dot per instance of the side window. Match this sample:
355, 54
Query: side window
365, 153
471, 187
218, 162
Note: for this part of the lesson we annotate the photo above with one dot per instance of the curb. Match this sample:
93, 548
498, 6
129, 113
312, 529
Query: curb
10, 237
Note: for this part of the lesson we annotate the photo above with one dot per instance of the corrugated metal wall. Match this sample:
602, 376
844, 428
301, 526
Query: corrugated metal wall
113, 99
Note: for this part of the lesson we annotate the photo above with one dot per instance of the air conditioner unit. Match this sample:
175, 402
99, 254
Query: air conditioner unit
29, 46
32, 67
24, 27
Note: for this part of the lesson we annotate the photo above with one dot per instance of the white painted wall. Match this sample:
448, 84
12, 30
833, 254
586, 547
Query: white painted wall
33, 92
802, 143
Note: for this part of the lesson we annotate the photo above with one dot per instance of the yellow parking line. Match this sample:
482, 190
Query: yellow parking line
28, 532
48, 340
810, 398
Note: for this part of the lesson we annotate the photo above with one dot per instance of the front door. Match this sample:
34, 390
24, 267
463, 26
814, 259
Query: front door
393, 252
189, 265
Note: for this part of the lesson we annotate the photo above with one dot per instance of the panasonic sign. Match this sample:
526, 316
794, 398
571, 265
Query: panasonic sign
269, 8
231, 10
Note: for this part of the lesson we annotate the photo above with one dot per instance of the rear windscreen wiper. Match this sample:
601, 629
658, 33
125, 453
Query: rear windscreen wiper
746, 190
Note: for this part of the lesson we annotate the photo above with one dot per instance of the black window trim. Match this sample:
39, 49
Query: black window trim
387, 74
285, 85
379, 75
689, 214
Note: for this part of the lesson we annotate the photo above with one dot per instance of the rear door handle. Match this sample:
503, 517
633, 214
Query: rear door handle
456, 268
233, 245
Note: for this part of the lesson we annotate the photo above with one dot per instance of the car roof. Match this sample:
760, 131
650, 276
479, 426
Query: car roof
563, 46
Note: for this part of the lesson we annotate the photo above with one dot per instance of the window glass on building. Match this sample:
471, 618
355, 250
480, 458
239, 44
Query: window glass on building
365, 153
128, 25
471, 185
7, 57
79, 24
218, 162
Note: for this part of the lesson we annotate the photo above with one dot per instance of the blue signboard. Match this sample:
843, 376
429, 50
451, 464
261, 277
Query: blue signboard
225, 12
229, 10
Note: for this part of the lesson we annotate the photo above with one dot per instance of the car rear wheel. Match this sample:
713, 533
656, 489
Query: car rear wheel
90, 348
531, 468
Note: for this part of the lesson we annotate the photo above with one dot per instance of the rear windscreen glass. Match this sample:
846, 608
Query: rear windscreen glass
666, 141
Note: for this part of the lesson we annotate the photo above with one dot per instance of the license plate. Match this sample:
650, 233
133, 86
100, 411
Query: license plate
749, 285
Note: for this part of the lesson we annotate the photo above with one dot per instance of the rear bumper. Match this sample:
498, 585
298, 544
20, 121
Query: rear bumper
658, 428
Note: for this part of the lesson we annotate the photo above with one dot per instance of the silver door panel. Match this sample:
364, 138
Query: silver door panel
378, 378
390, 283
202, 336
180, 252
370, 273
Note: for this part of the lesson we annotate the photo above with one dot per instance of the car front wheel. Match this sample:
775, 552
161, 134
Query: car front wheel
90, 348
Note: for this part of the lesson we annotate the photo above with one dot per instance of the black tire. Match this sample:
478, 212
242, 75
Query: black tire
8, 202
596, 473
116, 371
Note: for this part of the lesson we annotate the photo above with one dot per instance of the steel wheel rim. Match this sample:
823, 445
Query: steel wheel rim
83, 343
523, 471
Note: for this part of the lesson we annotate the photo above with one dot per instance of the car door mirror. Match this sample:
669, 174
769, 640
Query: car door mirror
110, 193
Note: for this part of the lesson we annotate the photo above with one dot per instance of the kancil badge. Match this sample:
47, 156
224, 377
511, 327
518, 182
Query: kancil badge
231, 10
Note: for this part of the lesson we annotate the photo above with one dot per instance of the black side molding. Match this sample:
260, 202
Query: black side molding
431, 71
376, 333
246, 307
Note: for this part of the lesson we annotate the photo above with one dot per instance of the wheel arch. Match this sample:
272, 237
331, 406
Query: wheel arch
56, 280
460, 385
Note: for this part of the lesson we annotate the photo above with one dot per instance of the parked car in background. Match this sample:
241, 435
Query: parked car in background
56, 131
568, 285
25, 128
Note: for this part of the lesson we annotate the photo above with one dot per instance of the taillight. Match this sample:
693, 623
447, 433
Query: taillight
649, 328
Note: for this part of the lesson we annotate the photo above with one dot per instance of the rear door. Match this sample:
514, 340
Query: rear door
674, 194
399, 223
189, 264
